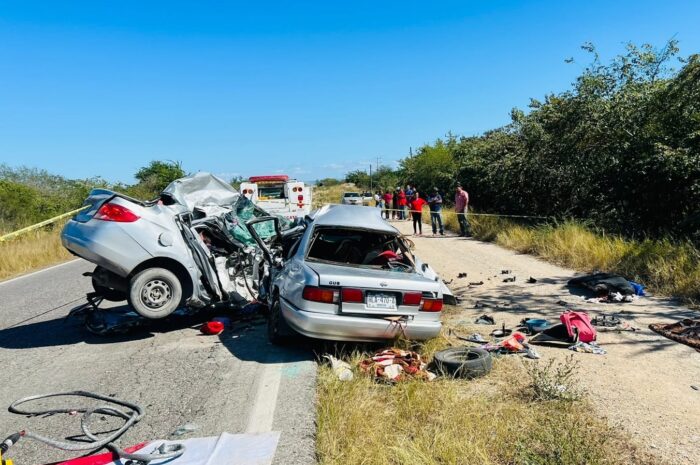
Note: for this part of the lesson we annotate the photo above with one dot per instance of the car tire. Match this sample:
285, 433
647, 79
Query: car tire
463, 362
278, 331
155, 293
113, 295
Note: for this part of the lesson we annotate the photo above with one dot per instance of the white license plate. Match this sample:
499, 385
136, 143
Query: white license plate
381, 301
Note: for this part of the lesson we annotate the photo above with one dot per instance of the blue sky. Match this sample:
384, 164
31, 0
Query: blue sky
312, 89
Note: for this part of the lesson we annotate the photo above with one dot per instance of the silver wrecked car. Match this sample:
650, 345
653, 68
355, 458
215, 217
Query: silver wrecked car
346, 275
189, 248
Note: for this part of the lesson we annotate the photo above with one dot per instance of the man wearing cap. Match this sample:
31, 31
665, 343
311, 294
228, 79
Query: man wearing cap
435, 202
461, 208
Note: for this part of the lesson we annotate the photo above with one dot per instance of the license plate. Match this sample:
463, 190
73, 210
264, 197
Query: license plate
381, 301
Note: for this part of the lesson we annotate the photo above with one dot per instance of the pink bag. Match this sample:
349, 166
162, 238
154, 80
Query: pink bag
578, 325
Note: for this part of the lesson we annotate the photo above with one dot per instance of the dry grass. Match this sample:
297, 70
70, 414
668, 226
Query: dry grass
33, 250
326, 195
492, 420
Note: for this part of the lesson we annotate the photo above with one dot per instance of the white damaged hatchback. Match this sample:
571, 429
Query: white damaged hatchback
347, 275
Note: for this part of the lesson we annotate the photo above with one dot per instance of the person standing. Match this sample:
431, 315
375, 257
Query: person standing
435, 203
378, 199
409, 196
461, 209
416, 206
395, 205
403, 203
388, 198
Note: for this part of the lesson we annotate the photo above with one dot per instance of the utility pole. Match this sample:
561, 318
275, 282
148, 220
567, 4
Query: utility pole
370, 178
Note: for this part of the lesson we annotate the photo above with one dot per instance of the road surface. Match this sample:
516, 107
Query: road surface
235, 382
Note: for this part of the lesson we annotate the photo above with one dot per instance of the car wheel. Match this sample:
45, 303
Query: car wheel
464, 362
113, 295
155, 293
278, 331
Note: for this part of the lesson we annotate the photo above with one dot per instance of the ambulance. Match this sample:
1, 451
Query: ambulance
279, 195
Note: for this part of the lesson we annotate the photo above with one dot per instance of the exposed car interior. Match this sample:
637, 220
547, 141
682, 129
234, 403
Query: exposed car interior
360, 248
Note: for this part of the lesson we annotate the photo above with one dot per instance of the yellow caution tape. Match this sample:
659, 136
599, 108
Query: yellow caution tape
19, 232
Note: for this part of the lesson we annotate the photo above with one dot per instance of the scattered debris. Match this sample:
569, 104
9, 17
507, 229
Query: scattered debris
462, 275
341, 368
463, 362
686, 332
501, 332
509, 280
212, 328
530, 352
475, 337
588, 347
574, 327
531, 280
485, 320
506, 271
185, 429
535, 325
562, 303
479, 304
396, 365
476, 283
695, 387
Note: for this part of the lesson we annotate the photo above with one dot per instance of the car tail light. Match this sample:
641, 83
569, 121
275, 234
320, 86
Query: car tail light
320, 294
114, 212
352, 295
300, 198
432, 305
412, 298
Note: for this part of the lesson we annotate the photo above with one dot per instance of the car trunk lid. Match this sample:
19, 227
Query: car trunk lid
375, 291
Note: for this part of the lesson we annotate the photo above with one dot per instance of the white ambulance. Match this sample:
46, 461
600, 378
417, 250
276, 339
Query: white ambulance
278, 194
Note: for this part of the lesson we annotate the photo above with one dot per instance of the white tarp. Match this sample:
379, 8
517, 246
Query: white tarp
226, 449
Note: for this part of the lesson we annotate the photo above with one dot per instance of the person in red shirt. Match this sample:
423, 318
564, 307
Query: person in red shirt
416, 207
403, 202
388, 197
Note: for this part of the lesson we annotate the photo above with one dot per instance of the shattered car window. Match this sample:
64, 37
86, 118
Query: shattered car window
245, 210
359, 248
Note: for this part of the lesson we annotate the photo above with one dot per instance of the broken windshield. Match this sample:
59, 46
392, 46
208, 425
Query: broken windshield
245, 210
357, 247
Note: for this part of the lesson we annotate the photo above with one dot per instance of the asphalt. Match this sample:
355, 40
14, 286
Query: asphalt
236, 382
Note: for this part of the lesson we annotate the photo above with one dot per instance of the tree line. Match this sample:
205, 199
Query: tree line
620, 149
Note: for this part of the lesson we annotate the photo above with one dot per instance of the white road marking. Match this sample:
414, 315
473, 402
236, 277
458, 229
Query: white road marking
39, 271
263, 411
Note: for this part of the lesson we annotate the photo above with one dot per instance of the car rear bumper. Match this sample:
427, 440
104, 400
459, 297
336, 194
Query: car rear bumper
107, 245
355, 328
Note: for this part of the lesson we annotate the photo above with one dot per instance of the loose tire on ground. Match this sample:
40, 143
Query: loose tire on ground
463, 362
155, 293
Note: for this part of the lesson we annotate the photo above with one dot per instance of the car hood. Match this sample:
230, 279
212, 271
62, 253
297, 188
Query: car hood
201, 189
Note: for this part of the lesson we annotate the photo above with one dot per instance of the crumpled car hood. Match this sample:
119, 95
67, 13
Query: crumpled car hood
201, 189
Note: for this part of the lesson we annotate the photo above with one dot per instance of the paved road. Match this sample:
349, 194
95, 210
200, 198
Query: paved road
235, 382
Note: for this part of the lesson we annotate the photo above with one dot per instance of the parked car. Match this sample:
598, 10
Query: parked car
188, 248
351, 198
346, 275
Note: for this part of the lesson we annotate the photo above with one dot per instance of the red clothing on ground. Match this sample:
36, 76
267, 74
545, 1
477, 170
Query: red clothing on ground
417, 205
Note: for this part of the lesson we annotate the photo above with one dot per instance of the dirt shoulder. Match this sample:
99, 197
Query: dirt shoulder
644, 382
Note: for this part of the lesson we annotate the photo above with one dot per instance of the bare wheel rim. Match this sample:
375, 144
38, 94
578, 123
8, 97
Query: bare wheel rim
156, 293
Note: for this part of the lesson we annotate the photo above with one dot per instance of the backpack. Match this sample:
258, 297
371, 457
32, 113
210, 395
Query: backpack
578, 325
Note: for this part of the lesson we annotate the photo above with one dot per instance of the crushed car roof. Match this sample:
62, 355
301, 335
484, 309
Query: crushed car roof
352, 216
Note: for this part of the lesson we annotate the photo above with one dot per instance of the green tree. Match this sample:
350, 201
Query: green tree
158, 174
